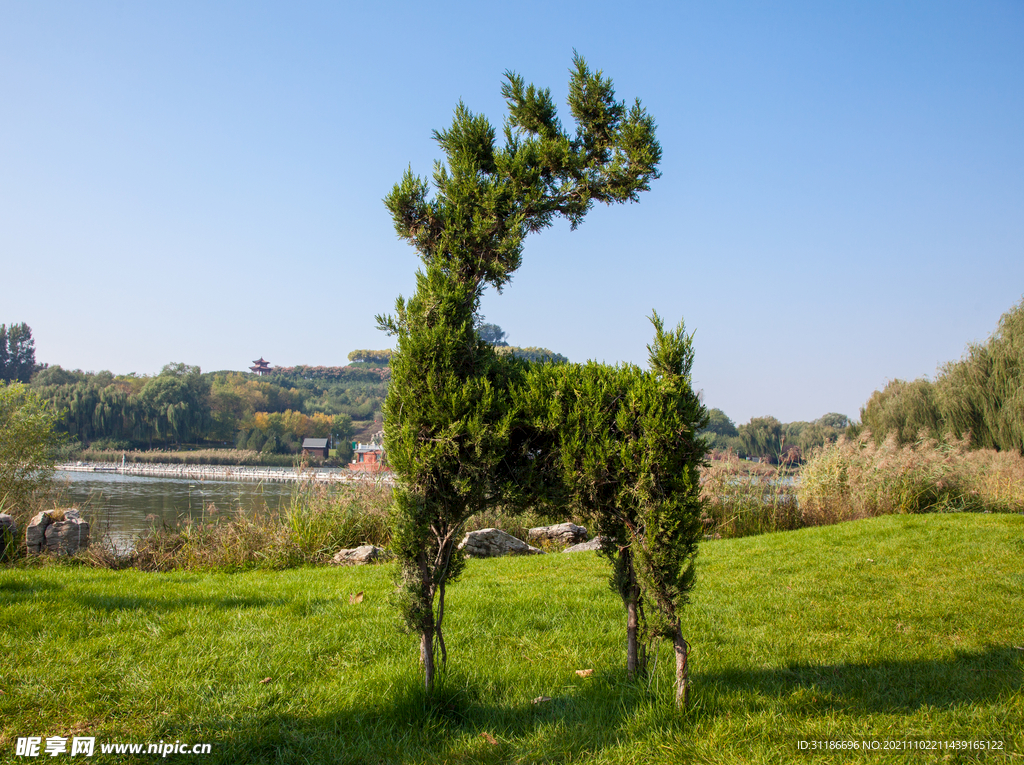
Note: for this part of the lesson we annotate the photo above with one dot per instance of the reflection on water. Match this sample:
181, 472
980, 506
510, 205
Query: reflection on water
126, 505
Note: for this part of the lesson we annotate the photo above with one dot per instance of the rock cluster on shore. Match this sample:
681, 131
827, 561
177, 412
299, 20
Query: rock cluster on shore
62, 532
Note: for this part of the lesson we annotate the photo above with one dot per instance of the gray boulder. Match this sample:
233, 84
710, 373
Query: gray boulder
358, 556
559, 534
35, 532
8, 536
493, 543
593, 544
68, 536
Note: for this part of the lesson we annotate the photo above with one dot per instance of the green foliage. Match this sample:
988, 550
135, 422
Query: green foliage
452, 436
666, 485
448, 432
17, 353
381, 358
906, 410
536, 355
55, 375
28, 445
174, 403
763, 437
721, 432
492, 334
624, 446
720, 424
489, 198
982, 395
181, 405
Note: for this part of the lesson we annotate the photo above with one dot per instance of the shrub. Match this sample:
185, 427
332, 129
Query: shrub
28, 445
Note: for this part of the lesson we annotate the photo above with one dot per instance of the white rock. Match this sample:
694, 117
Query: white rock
35, 532
358, 556
493, 543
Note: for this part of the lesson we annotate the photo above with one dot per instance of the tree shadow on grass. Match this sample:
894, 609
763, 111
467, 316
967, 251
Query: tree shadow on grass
149, 603
884, 687
16, 591
464, 723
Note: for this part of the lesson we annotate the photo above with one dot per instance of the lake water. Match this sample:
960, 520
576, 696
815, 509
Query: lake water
124, 506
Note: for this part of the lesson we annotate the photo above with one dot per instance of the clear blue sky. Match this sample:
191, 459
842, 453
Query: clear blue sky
842, 199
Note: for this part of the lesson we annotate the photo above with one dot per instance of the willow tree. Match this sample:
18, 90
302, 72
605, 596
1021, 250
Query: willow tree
981, 396
450, 433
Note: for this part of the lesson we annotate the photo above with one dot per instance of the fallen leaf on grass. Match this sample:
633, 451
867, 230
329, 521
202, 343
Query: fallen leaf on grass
265, 680
541, 699
584, 672
489, 739
357, 598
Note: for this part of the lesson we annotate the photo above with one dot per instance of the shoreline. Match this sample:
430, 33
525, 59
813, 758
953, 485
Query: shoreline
227, 472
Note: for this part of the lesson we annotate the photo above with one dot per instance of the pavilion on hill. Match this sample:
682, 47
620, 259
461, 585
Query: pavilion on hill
262, 366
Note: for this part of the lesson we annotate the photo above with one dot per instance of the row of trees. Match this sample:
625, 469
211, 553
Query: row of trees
182, 405
275, 432
979, 397
770, 440
469, 428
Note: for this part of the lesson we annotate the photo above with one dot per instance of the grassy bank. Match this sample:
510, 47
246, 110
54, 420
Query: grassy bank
894, 628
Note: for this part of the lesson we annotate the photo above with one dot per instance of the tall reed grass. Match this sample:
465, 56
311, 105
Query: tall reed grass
858, 479
744, 498
853, 479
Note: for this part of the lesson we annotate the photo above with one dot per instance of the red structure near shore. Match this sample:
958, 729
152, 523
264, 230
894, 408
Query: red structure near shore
262, 367
369, 458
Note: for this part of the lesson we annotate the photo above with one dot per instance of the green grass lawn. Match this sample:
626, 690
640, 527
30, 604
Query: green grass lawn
897, 628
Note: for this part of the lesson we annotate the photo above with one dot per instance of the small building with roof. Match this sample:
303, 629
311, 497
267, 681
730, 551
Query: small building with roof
316, 447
